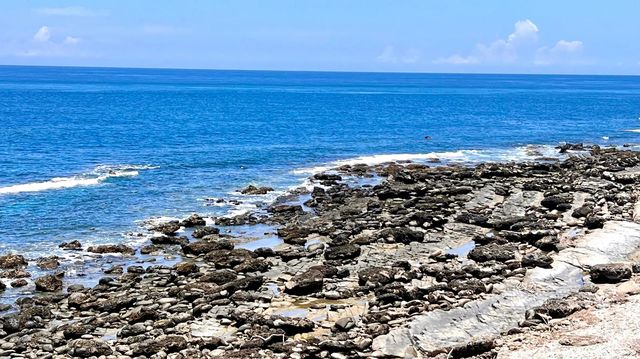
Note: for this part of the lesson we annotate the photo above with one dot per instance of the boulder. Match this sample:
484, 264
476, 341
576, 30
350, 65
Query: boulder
74, 245
253, 190
169, 240
168, 229
561, 202
610, 273
401, 235
225, 258
203, 247
186, 268
12, 261
49, 283
112, 248
309, 281
205, 231
537, 260
496, 252
193, 220
48, 263
86, 348
346, 251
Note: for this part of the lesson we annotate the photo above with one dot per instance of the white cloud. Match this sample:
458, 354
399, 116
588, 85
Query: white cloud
69, 11
525, 33
42, 35
45, 44
390, 55
70, 40
562, 52
457, 60
521, 48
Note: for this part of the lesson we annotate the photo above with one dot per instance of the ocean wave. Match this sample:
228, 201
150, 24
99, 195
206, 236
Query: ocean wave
521, 153
97, 176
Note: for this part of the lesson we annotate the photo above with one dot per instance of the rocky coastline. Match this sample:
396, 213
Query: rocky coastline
442, 261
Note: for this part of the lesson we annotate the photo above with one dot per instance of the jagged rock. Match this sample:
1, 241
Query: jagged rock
112, 248
169, 240
558, 308
489, 252
205, 231
203, 247
560, 202
610, 273
193, 220
48, 263
537, 260
49, 283
86, 348
185, 268
73, 245
401, 235
168, 229
310, 281
253, 190
347, 251
12, 261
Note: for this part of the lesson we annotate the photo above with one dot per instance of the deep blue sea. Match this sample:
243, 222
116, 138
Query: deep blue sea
89, 153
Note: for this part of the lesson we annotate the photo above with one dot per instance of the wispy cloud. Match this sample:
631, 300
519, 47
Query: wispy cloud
42, 35
70, 11
391, 55
71, 40
562, 52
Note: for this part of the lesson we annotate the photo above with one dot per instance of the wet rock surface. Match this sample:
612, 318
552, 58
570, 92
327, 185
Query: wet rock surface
366, 265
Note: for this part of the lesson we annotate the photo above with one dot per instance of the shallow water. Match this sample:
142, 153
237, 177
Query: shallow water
88, 153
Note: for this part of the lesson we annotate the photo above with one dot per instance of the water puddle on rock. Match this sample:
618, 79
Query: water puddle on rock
462, 250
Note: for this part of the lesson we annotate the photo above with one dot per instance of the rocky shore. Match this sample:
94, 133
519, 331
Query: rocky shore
429, 261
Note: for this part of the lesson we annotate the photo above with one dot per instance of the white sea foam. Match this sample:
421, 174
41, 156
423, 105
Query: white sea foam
461, 156
633, 130
95, 177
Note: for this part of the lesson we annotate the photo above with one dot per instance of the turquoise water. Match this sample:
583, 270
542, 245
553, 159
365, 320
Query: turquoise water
88, 153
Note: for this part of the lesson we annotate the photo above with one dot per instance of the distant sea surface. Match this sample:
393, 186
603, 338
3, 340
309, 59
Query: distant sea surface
90, 153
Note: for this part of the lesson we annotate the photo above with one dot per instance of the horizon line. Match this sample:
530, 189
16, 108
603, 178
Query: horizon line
321, 71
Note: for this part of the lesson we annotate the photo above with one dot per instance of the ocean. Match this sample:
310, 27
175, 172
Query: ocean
91, 153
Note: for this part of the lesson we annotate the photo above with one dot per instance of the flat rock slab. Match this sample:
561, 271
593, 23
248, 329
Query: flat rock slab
439, 331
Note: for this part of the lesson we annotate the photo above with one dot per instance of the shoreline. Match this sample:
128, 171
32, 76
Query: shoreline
358, 264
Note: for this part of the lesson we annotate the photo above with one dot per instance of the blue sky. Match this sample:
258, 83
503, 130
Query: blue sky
374, 35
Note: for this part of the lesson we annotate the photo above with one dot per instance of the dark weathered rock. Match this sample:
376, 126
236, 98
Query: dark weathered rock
401, 235
185, 268
49, 283
537, 260
558, 308
112, 248
86, 348
12, 261
253, 190
193, 220
48, 263
560, 202
495, 252
205, 231
74, 245
347, 251
310, 281
169, 240
610, 273
168, 229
